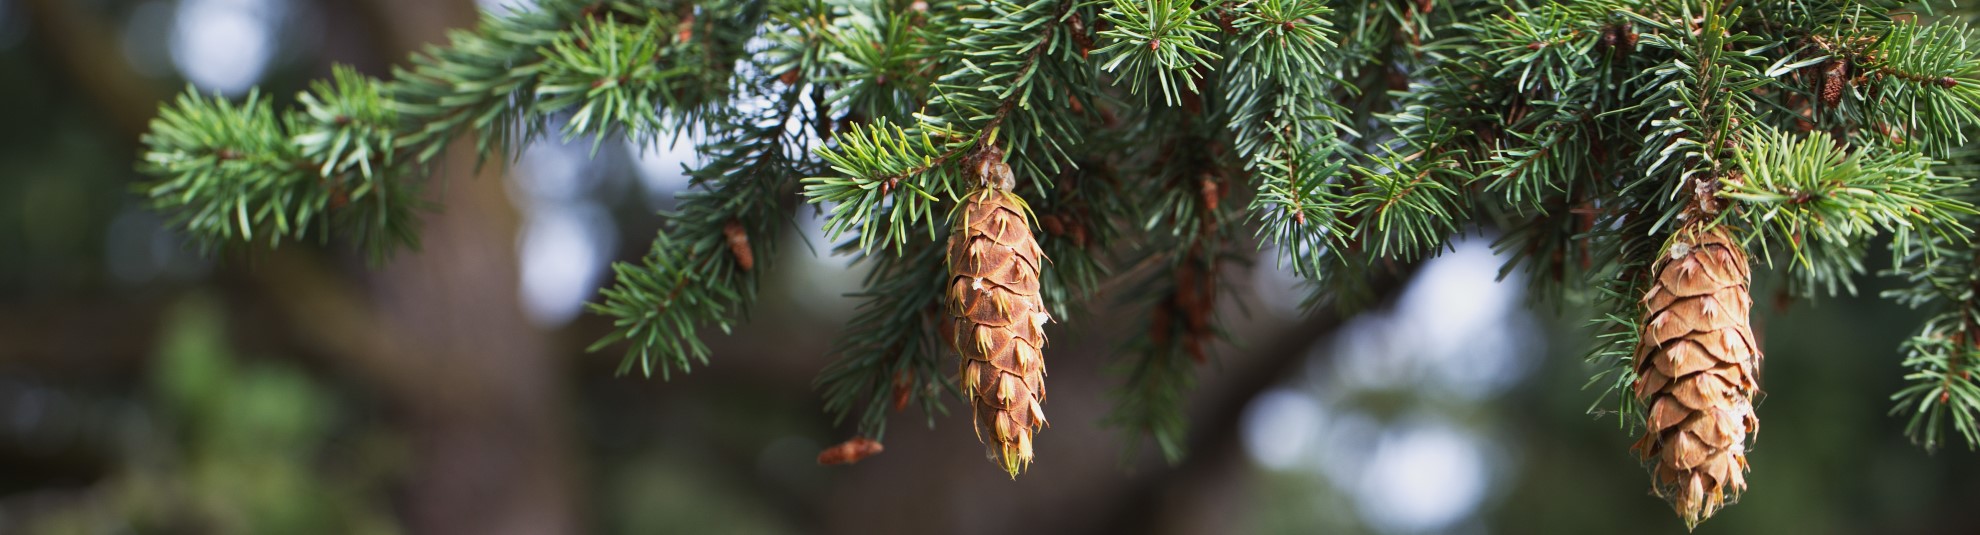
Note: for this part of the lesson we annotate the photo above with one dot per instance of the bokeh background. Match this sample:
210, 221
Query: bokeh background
145, 388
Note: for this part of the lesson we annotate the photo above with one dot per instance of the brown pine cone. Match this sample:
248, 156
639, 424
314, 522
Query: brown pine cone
998, 318
1697, 367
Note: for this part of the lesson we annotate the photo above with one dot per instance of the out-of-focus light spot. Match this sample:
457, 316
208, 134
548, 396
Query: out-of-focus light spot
564, 249
1467, 325
1422, 477
1278, 288
502, 7
1281, 427
661, 164
140, 247
1345, 444
225, 45
1367, 356
1456, 330
549, 170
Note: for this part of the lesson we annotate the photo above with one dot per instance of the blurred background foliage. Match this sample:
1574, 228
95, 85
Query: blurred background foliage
217, 445
147, 389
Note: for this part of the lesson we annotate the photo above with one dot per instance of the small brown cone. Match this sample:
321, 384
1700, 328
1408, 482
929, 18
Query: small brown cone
997, 317
1697, 369
850, 451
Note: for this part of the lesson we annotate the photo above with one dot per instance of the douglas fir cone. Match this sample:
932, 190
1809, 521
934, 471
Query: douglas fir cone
997, 317
1697, 365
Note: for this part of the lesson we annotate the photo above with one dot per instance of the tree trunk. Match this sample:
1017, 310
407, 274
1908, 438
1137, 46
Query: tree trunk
487, 412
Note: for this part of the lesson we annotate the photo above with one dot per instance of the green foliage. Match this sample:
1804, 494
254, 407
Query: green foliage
1160, 39
1811, 190
878, 161
694, 274
1922, 81
1348, 138
891, 354
1942, 355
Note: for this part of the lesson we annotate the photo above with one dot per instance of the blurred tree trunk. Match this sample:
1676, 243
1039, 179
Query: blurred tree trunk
489, 414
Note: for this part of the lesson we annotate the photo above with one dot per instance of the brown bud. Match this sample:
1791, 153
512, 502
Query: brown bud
993, 172
739, 245
902, 387
1835, 75
850, 451
1078, 27
685, 30
789, 77
1210, 193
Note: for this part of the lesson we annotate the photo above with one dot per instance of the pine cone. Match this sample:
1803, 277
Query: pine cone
1697, 366
998, 318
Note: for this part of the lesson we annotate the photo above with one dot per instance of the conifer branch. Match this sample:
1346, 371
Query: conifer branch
1188, 232
1283, 127
704, 265
891, 355
234, 172
1007, 82
1942, 272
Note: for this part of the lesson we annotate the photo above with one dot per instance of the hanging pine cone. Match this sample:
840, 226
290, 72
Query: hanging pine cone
1697, 366
997, 315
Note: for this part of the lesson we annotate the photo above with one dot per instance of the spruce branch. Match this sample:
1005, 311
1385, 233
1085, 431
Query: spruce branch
704, 265
1186, 239
1942, 272
1403, 209
1283, 127
360, 146
1704, 88
1923, 81
1163, 40
891, 353
1811, 190
875, 61
876, 162
1015, 62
